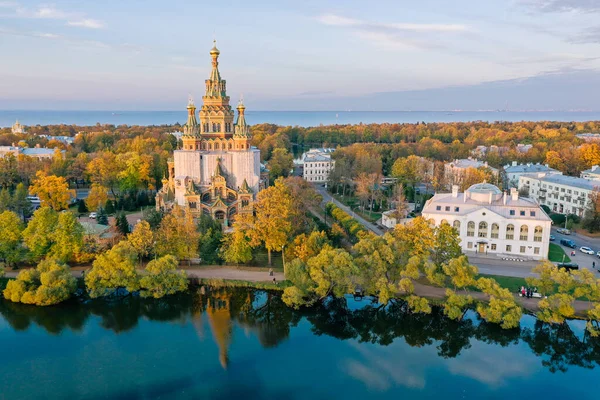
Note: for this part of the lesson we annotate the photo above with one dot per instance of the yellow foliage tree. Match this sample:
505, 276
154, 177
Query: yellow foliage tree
97, 197
52, 190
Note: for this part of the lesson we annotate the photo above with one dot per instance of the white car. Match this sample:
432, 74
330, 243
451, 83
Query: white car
586, 250
93, 215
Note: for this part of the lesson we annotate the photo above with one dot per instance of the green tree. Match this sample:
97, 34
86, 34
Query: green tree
50, 283
113, 271
154, 218
67, 237
81, 207
20, 202
236, 248
280, 164
446, 245
122, 224
161, 278
11, 234
101, 217
6, 201
38, 235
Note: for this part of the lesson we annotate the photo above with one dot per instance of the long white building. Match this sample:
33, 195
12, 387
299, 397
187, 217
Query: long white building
318, 164
513, 171
562, 194
492, 222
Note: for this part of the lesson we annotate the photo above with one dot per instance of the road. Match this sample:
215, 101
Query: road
582, 259
328, 198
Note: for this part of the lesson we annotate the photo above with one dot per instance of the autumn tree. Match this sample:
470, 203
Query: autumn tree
235, 248
329, 272
113, 271
38, 235
67, 238
97, 197
272, 224
52, 190
501, 307
51, 282
177, 235
446, 244
142, 239
161, 278
11, 234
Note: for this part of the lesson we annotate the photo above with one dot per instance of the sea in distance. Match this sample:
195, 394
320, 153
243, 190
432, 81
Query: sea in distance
246, 344
287, 118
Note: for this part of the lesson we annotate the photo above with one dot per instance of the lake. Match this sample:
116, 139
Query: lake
246, 344
287, 118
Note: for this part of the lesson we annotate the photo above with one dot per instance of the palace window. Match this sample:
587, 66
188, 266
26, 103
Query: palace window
522, 249
508, 248
537, 234
524, 232
470, 245
482, 232
456, 225
494, 246
536, 250
471, 228
510, 232
495, 231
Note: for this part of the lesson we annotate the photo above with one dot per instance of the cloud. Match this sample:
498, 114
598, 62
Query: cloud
591, 35
87, 23
336, 20
581, 6
395, 35
49, 12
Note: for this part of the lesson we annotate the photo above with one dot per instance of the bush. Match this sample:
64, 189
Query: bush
351, 226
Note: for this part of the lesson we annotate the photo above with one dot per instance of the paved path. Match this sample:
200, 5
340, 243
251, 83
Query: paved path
329, 198
203, 273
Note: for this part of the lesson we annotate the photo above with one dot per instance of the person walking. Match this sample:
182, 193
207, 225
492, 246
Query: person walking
270, 271
593, 264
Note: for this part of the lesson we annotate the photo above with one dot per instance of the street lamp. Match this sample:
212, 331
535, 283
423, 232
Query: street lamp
283, 259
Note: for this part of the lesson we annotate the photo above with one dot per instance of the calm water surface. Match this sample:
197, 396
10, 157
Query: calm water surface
246, 344
291, 118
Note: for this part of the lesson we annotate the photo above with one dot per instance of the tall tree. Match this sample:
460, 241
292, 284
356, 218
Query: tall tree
280, 164
142, 239
235, 248
11, 234
113, 271
97, 197
52, 190
38, 236
272, 224
161, 278
177, 235
67, 238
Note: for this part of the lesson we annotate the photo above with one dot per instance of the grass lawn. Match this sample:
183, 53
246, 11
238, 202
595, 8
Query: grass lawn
353, 202
555, 253
511, 283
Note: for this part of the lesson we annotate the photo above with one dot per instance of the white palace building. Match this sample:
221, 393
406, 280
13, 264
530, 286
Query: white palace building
492, 222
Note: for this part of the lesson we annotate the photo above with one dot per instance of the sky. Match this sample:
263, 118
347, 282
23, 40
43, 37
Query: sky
302, 55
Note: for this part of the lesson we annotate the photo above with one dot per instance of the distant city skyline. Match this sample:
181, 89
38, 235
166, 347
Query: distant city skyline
311, 55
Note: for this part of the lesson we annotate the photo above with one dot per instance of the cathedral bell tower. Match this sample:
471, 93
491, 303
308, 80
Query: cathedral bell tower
191, 130
216, 115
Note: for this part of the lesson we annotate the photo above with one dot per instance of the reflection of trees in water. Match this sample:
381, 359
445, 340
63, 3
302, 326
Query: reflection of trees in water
271, 320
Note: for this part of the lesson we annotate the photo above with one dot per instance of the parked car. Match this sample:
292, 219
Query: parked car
93, 215
568, 266
552, 238
598, 254
586, 250
563, 231
568, 243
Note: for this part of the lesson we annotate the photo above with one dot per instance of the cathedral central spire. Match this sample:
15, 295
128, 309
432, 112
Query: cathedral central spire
215, 86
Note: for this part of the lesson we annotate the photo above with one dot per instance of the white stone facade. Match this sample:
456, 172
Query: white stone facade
489, 221
514, 171
317, 165
562, 194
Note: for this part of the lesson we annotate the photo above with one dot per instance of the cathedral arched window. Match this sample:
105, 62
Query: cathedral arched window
217, 146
